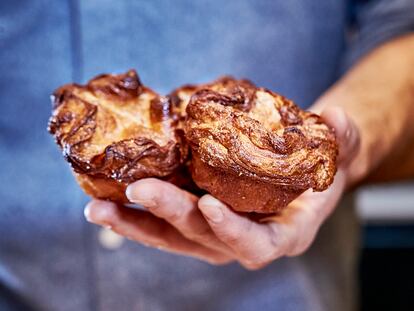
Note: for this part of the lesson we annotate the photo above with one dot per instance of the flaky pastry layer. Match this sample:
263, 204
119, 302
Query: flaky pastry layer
251, 148
115, 128
255, 133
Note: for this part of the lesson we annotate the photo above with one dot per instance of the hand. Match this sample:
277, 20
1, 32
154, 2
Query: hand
205, 228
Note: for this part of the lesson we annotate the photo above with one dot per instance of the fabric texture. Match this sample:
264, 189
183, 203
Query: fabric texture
376, 22
50, 257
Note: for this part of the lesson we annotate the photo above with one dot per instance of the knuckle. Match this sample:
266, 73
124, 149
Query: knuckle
270, 256
292, 246
232, 237
299, 248
254, 265
312, 216
257, 260
261, 260
175, 216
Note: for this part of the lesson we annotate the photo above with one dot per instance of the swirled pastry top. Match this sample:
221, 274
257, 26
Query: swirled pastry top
114, 127
253, 132
241, 90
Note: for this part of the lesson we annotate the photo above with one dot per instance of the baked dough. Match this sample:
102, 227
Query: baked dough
256, 150
251, 148
114, 131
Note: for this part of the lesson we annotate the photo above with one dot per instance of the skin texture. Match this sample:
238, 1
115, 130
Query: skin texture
374, 129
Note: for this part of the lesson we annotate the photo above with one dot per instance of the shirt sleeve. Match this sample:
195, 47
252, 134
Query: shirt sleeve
375, 22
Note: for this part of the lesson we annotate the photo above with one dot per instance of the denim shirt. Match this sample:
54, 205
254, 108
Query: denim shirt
50, 258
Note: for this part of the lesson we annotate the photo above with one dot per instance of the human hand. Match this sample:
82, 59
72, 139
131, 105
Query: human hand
205, 228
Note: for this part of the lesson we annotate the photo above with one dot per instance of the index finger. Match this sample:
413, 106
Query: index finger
177, 207
255, 244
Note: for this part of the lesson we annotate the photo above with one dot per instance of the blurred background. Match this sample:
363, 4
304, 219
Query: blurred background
386, 265
44, 44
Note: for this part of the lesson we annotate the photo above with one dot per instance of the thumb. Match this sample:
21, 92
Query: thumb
347, 133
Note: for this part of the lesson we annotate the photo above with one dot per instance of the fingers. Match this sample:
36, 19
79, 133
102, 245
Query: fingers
254, 244
177, 207
346, 132
289, 233
147, 229
300, 222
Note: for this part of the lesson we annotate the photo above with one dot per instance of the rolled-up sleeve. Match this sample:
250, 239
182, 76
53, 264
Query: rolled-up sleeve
375, 22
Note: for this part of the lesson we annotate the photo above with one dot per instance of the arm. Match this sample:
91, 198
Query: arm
377, 97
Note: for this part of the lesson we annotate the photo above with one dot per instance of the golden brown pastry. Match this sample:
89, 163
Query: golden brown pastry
251, 148
254, 149
114, 131
181, 96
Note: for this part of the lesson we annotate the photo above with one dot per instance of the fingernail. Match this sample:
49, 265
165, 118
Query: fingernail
211, 209
87, 213
140, 196
97, 213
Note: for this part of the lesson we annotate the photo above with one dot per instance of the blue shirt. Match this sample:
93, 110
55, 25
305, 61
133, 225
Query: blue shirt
50, 258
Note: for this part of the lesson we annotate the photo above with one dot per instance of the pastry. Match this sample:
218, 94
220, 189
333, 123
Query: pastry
114, 131
251, 148
255, 150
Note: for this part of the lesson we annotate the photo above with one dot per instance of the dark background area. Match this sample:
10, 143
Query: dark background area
387, 268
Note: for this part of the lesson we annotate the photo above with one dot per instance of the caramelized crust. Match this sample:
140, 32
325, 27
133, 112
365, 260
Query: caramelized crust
251, 148
113, 131
242, 92
254, 144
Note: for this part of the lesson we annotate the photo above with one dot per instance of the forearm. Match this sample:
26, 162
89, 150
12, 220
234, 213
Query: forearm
378, 95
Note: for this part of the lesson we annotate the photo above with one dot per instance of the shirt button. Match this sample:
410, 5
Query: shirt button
109, 239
